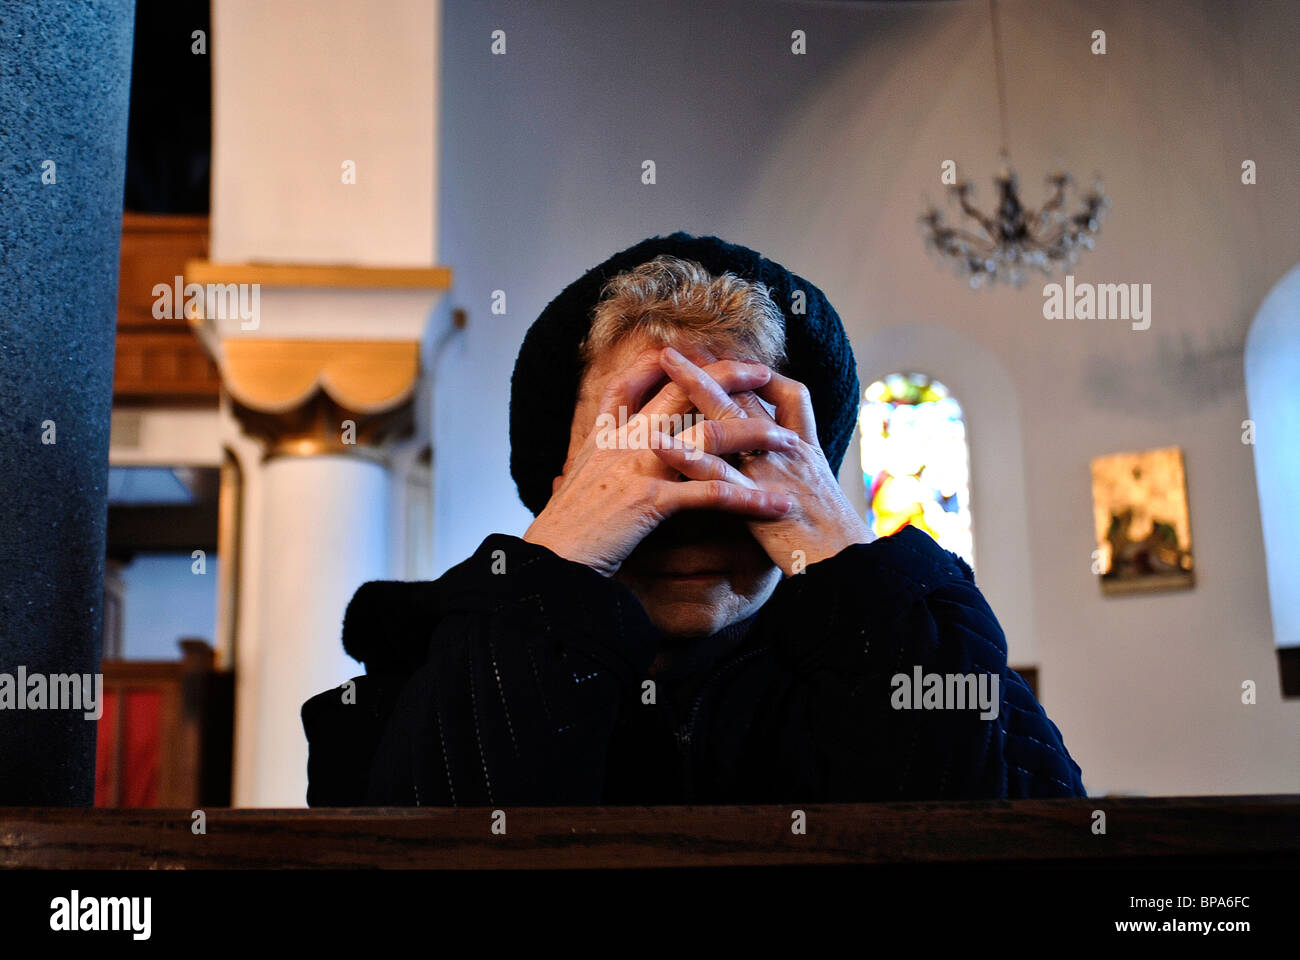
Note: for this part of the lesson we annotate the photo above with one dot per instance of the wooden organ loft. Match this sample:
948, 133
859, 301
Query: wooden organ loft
159, 360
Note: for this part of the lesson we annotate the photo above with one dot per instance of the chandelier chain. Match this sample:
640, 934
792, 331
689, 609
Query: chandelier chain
999, 70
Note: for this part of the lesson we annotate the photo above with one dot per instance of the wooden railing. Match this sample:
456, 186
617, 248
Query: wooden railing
1174, 832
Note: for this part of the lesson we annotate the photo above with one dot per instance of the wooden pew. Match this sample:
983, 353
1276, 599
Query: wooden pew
1170, 832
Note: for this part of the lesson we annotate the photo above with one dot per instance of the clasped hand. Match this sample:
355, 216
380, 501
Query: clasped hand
741, 458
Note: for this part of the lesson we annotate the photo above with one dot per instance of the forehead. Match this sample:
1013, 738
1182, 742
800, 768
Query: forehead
625, 352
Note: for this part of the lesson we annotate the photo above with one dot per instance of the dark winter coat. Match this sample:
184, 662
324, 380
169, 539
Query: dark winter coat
528, 686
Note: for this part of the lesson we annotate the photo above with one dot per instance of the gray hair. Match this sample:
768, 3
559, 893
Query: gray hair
672, 300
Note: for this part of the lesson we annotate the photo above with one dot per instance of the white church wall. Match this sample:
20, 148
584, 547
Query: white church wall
821, 162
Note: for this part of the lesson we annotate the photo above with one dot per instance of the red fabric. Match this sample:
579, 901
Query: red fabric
106, 750
141, 740
143, 715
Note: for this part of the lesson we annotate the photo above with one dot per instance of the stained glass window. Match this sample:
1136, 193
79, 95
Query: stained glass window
915, 460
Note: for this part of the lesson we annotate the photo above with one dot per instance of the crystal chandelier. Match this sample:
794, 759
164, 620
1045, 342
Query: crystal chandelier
1014, 239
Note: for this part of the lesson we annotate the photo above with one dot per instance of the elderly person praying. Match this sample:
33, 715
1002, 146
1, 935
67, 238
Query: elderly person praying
697, 614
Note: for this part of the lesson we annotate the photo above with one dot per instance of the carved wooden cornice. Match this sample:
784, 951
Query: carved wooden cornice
274, 376
306, 396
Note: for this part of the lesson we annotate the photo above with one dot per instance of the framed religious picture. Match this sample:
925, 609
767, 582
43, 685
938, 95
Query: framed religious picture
1144, 537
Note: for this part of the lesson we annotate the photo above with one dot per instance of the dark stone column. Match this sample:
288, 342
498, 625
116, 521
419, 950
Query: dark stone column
65, 71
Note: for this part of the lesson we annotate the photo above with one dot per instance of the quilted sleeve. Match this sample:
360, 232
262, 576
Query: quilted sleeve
895, 685
529, 659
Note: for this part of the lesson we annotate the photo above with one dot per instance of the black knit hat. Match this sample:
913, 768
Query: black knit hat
544, 388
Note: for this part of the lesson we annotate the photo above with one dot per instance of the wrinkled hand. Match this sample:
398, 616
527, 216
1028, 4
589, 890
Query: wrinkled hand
821, 521
610, 496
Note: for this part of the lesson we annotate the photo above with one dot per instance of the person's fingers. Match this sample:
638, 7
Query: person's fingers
753, 406
738, 436
706, 393
711, 386
694, 464
697, 378
672, 497
628, 386
793, 404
